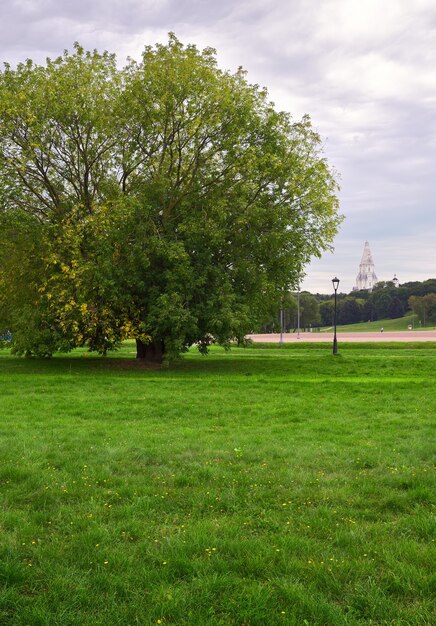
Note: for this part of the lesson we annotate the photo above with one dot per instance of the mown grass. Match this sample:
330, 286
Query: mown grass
397, 324
269, 485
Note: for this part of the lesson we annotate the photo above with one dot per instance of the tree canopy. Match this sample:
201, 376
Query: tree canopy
167, 201
424, 307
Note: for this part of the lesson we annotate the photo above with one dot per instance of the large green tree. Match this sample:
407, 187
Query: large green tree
167, 201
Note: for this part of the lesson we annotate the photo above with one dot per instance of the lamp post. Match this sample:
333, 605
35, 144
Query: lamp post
335, 282
298, 314
282, 322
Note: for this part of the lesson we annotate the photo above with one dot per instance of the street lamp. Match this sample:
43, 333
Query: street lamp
335, 282
282, 322
298, 313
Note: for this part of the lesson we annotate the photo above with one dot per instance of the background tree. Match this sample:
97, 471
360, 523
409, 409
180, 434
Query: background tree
369, 312
395, 308
382, 301
272, 324
430, 299
350, 311
167, 201
290, 310
417, 305
327, 312
416, 288
424, 307
309, 311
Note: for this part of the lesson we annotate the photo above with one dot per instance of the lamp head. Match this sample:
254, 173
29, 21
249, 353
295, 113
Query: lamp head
335, 282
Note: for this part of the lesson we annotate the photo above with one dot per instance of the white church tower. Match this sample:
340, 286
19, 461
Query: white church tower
366, 278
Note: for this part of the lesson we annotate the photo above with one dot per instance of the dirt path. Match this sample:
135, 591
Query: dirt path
408, 335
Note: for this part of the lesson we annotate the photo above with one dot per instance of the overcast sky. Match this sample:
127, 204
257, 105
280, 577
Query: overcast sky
364, 70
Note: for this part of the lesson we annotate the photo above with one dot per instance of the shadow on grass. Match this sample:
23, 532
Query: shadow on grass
272, 360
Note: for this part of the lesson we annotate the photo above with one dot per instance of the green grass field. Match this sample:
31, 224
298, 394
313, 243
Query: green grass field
397, 324
268, 485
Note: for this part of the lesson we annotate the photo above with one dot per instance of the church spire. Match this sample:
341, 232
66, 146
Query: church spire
366, 278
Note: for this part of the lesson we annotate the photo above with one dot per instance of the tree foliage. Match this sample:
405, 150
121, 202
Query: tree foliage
309, 311
327, 312
424, 307
350, 310
167, 201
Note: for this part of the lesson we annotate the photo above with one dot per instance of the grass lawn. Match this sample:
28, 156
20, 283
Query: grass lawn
268, 485
397, 324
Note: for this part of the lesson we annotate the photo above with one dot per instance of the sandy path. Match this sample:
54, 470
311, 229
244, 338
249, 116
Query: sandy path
408, 335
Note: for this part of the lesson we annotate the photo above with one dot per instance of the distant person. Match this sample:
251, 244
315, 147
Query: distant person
381, 329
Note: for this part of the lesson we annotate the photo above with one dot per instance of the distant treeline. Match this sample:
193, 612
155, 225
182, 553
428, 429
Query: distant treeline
384, 302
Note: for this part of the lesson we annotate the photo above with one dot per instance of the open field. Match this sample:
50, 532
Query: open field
274, 485
398, 324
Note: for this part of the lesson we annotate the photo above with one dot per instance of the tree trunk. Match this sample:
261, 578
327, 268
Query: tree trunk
151, 352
